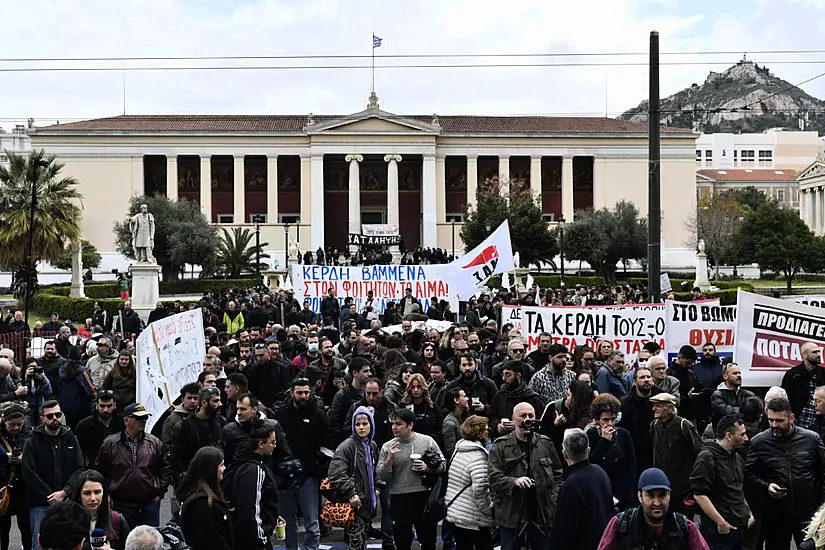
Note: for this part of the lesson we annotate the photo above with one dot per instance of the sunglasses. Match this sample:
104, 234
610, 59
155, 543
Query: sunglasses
51, 416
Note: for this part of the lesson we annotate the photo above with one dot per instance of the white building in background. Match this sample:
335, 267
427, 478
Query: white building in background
772, 149
16, 141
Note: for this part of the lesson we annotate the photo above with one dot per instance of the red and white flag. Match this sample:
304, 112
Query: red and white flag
491, 257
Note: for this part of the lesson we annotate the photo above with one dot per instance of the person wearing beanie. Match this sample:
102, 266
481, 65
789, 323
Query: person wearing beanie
352, 473
359, 372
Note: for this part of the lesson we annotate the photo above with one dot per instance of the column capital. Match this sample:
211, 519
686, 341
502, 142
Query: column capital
272, 157
472, 158
171, 158
354, 157
239, 157
392, 157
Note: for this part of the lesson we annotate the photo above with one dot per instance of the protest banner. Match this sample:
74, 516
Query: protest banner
170, 355
815, 300
628, 327
512, 315
769, 336
696, 323
492, 256
387, 282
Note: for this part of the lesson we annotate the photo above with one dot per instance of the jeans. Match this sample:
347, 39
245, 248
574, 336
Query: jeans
469, 539
19, 508
139, 514
539, 540
717, 541
447, 539
36, 514
779, 529
305, 496
386, 516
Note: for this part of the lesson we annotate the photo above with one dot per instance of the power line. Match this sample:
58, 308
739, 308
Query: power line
393, 56
359, 67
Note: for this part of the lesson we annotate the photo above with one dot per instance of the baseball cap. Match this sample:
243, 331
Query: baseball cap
653, 478
136, 409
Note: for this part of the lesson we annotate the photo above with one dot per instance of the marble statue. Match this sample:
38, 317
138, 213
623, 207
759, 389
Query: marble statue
142, 226
701, 246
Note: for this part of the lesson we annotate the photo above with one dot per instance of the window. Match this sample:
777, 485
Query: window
708, 154
747, 155
289, 218
226, 218
257, 218
457, 218
549, 217
780, 195
765, 155
735, 154
698, 154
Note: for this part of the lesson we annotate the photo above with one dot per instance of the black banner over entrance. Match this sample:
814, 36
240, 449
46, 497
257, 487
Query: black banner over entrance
357, 239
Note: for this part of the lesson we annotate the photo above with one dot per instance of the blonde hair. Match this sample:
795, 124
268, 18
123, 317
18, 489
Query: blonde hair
816, 530
407, 399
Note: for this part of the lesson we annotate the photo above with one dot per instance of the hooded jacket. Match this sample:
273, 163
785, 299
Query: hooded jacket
253, 494
506, 400
352, 470
50, 463
100, 367
720, 475
235, 437
193, 434
341, 404
172, 422
380, 418
473, 508
477, 387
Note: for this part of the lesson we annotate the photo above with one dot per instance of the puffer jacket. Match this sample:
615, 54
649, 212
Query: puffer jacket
234, 322
724, 401
351, 473
473, 508
100, 367
804, 476
507, 463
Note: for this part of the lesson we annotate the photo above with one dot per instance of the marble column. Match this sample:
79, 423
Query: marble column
317, 208
535, 177
472, 180
567, 188
429, 230
354, 195
820, 210
504, 175
239, 191
206, 187
272, 189
812, 207
392, 161
172, 178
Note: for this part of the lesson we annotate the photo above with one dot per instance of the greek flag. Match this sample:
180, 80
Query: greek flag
376, 42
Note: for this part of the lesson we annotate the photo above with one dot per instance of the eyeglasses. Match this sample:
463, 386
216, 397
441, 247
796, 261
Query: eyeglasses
517, 350
50, 416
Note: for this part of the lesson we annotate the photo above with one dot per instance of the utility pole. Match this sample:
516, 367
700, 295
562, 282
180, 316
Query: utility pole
654, 191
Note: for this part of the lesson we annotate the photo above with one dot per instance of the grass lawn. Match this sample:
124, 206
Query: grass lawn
767, 282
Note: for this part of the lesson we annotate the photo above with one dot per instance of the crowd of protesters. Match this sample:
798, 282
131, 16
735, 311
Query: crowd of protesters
330, 418
373, 255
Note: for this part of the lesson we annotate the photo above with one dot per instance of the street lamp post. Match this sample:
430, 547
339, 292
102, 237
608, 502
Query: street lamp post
286, 246
257, 218
561, 249
36, 162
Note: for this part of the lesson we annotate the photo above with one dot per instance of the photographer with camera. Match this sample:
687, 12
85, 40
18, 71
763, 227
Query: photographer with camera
525, 480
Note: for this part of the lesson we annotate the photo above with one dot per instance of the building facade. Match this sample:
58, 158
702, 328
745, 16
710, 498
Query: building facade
17, 141
778, 185
311, 180
812, 194
772, 149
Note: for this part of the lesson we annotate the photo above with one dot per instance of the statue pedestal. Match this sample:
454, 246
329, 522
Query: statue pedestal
145, 291
396, 254
76, 290
702, 272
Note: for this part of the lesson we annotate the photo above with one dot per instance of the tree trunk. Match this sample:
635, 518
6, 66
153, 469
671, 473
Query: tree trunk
788, 280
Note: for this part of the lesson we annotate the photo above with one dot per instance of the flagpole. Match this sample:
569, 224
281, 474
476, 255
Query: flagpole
372, 84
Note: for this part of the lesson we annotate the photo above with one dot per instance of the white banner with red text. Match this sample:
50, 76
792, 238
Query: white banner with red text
387, 282
697, 323
769, 336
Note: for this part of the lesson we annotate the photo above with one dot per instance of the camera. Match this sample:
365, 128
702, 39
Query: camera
530, 424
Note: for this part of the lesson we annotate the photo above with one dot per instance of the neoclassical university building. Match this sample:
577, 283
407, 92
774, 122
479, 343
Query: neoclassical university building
310, 180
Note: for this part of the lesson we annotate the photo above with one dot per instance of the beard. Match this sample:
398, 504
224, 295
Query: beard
211, 412
301, 403
105, 415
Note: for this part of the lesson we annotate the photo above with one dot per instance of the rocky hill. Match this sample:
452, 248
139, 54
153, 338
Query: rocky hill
744, 98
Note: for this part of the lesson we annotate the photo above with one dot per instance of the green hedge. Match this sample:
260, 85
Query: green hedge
727, 297
554, 281
76, 309
199, 286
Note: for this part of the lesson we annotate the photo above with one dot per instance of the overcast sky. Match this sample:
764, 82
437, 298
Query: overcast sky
174, 28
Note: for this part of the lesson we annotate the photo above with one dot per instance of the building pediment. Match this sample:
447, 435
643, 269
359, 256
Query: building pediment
374, 121
814, 170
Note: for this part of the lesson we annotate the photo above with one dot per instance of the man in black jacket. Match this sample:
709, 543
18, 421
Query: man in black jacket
253, 495
787, 464
360, 372
202, 429
160, 312
637, 415
307, 428
52, 462
690, 389
268, 377
257, 316
330, 307
512, 392
730, 395
131, 321
478, 389
235, 434
51, 363
801, 381
103, 422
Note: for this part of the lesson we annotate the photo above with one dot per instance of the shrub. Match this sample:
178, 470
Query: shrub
727, 297
76, 309
199, 286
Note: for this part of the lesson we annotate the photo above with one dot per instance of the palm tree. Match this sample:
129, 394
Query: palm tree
235, 253
57, 213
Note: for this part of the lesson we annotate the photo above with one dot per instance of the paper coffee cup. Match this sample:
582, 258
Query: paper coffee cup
415, 456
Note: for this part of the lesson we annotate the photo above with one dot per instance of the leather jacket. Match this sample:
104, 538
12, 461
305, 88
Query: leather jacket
796, 462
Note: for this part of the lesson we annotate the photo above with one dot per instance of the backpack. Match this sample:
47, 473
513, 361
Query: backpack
625, 520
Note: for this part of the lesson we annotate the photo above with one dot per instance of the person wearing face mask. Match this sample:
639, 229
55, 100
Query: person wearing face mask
101, 364
202, 429
305, 358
